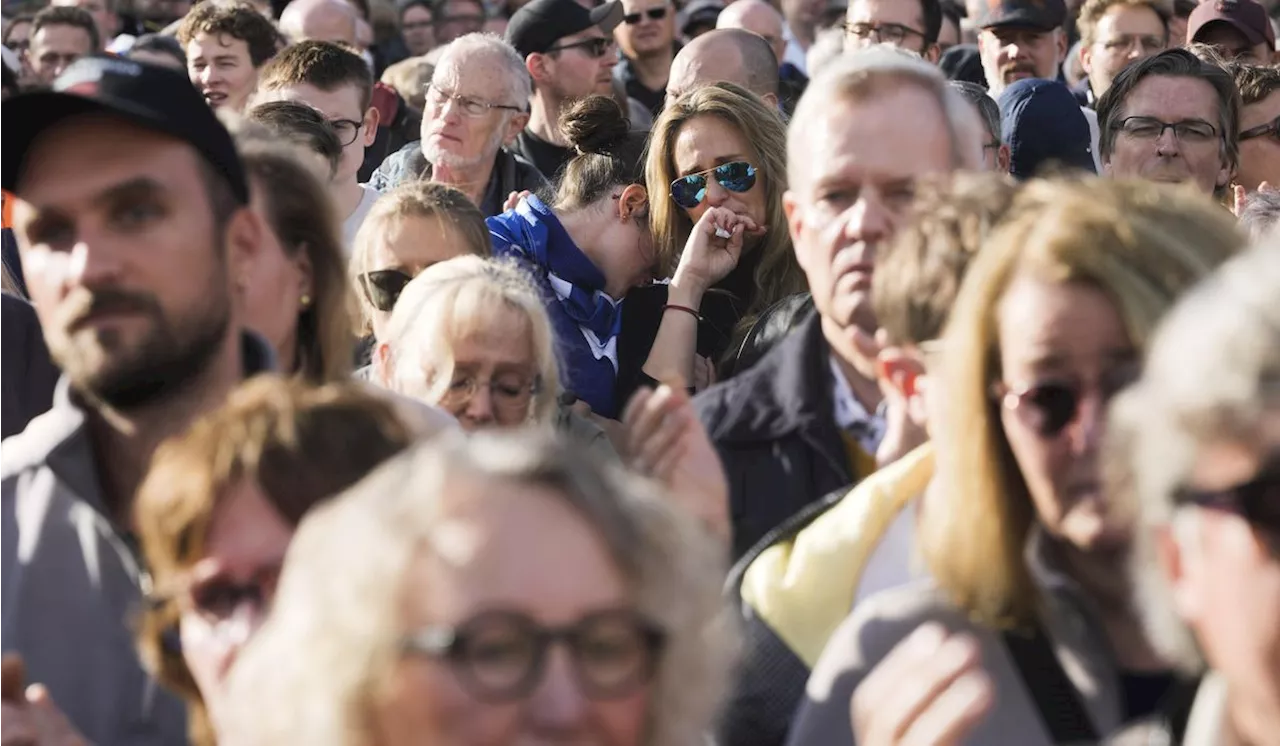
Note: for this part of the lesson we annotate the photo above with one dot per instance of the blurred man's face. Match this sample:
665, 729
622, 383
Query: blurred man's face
220, 66
418, 29
1260, 143
1126, 33
458, 18
104, 18
648, 28
575, 70
1012, 54
803, 14
948, 34
1232, 45
54, 48
896, 22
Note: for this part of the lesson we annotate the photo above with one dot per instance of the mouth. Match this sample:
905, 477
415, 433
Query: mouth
215, 98
442, 137
99, 319
1017, 73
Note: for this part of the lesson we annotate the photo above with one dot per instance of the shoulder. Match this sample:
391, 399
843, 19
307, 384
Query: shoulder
527, 175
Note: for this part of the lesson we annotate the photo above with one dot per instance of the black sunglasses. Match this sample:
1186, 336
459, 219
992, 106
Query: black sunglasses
654, 14
1048, 407
500, 656
596, 47
220, 597
1271, 129
383, 287
689, 191
1257, 501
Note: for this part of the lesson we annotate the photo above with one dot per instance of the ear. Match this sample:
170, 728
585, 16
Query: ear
932, 53
1002, 159
514, 127
795, 222
382, 367
634, 199
1172, 559
1061, 37
1225, 175
771, 100
306, 273
242, 242
536, 64
900, 369
1086, 58
371, 119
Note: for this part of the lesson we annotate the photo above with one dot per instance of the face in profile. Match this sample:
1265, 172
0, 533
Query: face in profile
533, 659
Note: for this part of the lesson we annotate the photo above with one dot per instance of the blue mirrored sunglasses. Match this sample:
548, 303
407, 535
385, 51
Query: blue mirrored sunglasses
689, 191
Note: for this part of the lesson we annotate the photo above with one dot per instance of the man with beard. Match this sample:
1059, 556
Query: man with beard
1172, 118
1021, 39
133, 227
569, 52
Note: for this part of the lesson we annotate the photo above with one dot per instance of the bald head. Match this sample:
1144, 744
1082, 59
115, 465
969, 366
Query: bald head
731, 55
320, 20
758, 17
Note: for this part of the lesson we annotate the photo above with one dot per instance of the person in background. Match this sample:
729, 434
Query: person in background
1238, 29
457, 18
156, 49
414, 226
1021, 39
995, 152
949, 34
380, 617
417, 26
218, 508
29, 375
409, 78
764, 20
105, 18
338, 84
477, 103
1114, 33
1261, 214
1182, 10
1196, 443
1024, 629
226, 46
1172, 118
1259, 88
333, 21
1044, 127
133, 221
300, 125
725, 56
697, 18
912, 25
569, 53
17, 33
59, 37
796, 589
647, 42
803, 21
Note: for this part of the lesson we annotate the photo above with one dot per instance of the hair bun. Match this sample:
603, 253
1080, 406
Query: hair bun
595, 124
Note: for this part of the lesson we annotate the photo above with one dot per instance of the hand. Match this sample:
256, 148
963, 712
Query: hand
30, 718
708, 254
1240, 197
666, 440
930, 690
704, 373
514, 199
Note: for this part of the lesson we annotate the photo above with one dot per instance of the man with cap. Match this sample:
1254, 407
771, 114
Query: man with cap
1042, 125
569, 53
697, 18
1239, 29
133, 223
1020, 39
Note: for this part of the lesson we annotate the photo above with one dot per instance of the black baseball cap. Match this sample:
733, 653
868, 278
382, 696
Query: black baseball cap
538, 25
151, 96
1043, 15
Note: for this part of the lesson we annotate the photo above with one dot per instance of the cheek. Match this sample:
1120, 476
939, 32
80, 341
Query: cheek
1043, 464
622, 722
696, 213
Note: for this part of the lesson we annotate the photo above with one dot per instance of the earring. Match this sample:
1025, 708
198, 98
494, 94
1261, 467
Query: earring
306, 300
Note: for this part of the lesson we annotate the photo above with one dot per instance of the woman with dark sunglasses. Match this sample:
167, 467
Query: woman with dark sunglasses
1026, 602
490, 591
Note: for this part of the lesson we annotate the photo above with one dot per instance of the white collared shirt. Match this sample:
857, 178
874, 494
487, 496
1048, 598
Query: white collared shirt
867, 428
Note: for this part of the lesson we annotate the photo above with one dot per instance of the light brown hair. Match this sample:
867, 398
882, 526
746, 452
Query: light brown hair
1093, 11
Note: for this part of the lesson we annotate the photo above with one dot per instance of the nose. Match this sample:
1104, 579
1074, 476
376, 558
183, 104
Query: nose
558, 703
868, 221
1167, 144
1086, 432
207, 76
1135, 51
94, 263
480, 407
716, 194
451, 110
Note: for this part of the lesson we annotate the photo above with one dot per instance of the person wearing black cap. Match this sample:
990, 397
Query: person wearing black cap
569, 52
133, 223
1021, 39
1239, 29
697, 18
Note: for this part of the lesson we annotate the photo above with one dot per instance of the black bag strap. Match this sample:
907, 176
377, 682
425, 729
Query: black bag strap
1055, 696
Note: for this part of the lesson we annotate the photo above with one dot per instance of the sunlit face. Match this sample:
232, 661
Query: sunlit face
1068, 335
1012, 54
356, 128
53, 49
1125, 34
458, 17
220, 66
411, 244
850, 193
572, 73
418, 29
893, 22
274, 285
495, 372
1232, 44
231, 586
1169, 158
511, 547
1259, 156
707, 141
105, 19
648, 35
123, 261
451, 135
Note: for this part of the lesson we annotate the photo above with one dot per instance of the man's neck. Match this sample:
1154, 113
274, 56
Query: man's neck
472, 181
654, 69
544, 118
854, 353
348, 197
123, 441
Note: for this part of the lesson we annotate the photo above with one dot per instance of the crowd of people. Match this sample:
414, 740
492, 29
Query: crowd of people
641, 372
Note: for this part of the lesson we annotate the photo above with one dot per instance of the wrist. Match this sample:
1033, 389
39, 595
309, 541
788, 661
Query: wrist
685, 290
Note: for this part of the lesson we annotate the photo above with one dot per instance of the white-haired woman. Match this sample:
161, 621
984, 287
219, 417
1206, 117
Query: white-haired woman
429, 605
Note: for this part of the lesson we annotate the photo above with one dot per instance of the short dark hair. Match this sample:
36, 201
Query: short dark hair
160, 44
66, 15
322, 64
1255, 82
1177, 63
931, 13
403, 7
237, 20
300, 124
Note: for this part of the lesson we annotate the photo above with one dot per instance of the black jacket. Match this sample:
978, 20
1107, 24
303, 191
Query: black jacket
510, 174
29, 375
774, 427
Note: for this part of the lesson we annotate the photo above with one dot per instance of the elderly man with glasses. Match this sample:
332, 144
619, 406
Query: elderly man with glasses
476, 105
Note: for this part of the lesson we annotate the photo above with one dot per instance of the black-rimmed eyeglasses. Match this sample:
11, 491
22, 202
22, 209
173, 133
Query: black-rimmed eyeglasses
1270, 129
347, 130
892, 33
1257, 501
596, 48
1150, 128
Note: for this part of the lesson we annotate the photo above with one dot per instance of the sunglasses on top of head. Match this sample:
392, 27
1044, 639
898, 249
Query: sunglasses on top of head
689, 191
383, 287
654, 14
1047, 407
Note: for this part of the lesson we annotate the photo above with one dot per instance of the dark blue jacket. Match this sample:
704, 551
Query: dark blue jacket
585, 319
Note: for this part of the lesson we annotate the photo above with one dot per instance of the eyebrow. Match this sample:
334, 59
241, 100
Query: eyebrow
719, 161
141, 186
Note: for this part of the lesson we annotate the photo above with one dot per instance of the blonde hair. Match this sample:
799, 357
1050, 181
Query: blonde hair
452, 210
324, 656
1141, 244
778, 274
452, 300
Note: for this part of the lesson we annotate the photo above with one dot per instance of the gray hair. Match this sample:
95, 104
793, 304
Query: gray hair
1212, 374
324, 655
492, 46
1261, 214
868, 72
987, 107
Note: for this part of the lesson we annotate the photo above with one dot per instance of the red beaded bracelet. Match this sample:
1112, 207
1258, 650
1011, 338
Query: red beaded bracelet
674, 307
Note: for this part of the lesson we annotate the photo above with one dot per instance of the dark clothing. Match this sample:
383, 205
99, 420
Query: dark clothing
625, 72
791, 85
1042, 125
29, 376
398, 124
511, 173
1084, 95
11, 260
548, 157
774, 427
962, 62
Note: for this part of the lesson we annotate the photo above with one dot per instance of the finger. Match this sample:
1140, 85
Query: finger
647, 422
929, 677
637, 403
13, 673
886, 676
664, 466
665, 436
952, 716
